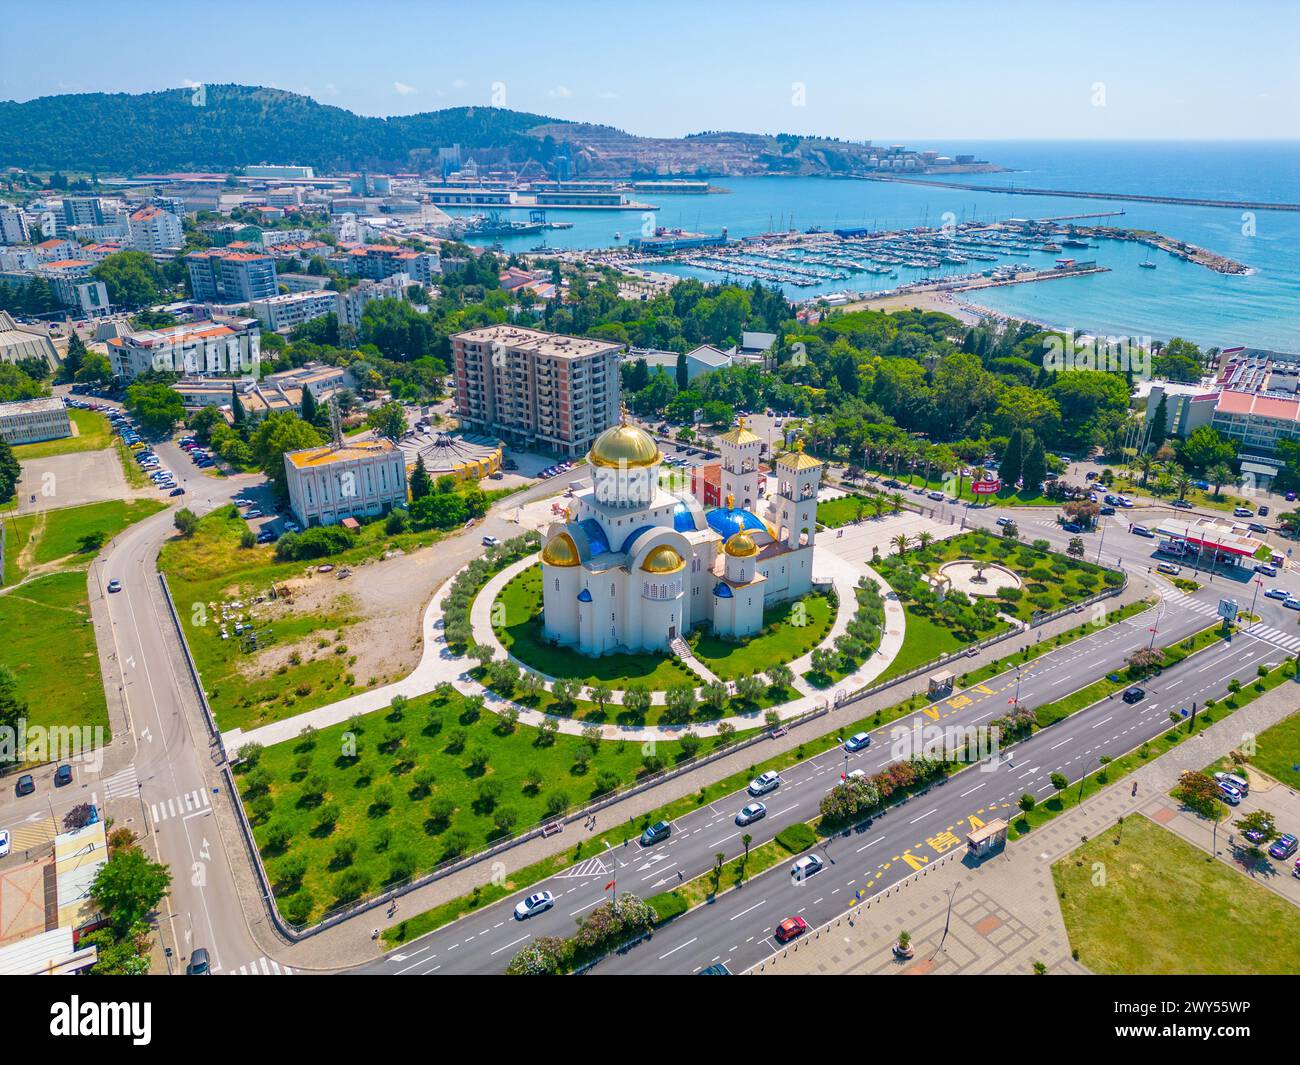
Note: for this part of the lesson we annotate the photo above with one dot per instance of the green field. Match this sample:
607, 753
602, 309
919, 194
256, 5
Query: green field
836, 512
1277, 751
790, 631
93, 434
519, 606
71, 536
49, 644
1165, 908
429, 780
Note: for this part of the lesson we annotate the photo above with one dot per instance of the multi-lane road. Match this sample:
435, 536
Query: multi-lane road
735, 929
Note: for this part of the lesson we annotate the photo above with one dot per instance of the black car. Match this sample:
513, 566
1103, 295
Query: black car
1263, 510
199, 964
25, 786
1134, 695
660, 830
1108, 509
62, 775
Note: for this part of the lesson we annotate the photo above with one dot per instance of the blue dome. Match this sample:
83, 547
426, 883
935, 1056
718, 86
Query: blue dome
595, 535
584, 596
722, 590
683, 518
632, 536
726, 523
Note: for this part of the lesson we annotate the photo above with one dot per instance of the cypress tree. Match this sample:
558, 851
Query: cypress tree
1035, 467
421, 483
236, 406
74, 358
309, 409
1013, 459
683, 373
1159, 424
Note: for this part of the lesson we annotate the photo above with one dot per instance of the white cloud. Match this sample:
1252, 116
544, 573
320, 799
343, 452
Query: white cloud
459, 83
402, 89
560, 92
331, 88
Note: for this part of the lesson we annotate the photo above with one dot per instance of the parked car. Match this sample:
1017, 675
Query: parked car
1291, 603
177, 492
790, 928
1181, 504
1072, 527
25, 786
660, 830
4, 842
254, 513
1243, 512
63, 775
1283, 847
1106, 510
1263, 510
199, 964
1232, 780
754, 811
1266, 568
1277, 593
1230, 794
536, 903
769, 781
858, 741
114, 585
1142, 530
490, 541
1171, 568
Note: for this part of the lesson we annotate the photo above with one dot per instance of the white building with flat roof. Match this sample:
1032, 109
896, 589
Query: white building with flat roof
221, 346
27, 421
289, 309
356, 479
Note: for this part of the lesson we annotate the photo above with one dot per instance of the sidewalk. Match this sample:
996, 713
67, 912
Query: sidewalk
438, 665
350, 943
1004, 911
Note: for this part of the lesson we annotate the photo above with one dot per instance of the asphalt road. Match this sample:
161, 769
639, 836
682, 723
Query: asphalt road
484, 942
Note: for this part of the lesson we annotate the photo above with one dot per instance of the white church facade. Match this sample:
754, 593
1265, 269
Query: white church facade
633, 567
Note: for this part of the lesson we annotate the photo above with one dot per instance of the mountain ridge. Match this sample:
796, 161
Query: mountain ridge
219, 127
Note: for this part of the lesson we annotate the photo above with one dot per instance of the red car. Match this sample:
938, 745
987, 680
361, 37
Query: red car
790, 928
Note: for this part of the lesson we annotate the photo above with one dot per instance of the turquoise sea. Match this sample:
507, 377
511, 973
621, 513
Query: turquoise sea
1261, 309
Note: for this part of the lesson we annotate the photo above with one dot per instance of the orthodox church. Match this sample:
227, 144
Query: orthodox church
634, 567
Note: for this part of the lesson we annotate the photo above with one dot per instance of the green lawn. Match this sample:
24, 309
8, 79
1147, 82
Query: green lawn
93, 434
411, 795
72, 533
519, 607
1049, 581
1007, 497
1165, 908
836, 512
1277, 751
49, 644
923, 640
790, 631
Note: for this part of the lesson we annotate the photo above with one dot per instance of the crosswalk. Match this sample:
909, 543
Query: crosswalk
1178, 600
1285, 640
263, 966
591, 867
188, 803
32, 834
122, 784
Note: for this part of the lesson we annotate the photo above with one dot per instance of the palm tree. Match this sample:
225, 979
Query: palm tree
1219, 474
878, 504
1182, 482
900, 543
896, 501
1146, 464
924, 540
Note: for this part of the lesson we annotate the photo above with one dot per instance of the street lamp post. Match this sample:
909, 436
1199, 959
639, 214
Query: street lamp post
1101, 541
1156, 627
1258, 581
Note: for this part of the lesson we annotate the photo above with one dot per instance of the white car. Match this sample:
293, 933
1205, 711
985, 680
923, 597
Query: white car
1171, 568
1277, 593
751, 813
857, 741
769, 781
808, 865
533, 905
490, 541
4, 842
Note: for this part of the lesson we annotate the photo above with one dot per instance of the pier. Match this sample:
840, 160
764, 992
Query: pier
1237, 205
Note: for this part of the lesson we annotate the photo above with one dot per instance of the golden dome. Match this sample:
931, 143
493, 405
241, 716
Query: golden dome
624, 445
741, 545
797, 460
560, 550
741, 435
663, 559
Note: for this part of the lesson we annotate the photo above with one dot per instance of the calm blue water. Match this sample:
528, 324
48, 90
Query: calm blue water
1261, 309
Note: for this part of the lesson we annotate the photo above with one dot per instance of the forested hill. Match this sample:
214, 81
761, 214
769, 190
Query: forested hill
221, 127
227, 126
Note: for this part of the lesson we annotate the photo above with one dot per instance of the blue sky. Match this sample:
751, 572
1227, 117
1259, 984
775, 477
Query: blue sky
923, 70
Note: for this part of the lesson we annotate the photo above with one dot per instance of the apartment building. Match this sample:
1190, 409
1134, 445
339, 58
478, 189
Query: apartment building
352, 303
13, 227
285, 311
536, 389
75, 288
330, 484
27, 421
377, 261
224, 346
155, 231
226, 275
